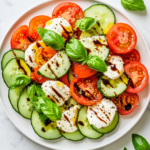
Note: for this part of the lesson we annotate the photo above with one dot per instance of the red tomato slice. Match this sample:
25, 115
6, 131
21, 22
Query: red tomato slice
20, 39
138, 76
69, 11
126, 102
121, 38
82, 71
65, 80
131, 56
38, 21
36, 77
85, 91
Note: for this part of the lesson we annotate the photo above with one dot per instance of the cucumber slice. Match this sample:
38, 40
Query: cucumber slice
84, 126
11, 54
46, 132
103, 14
109, 128
96, 30
13, 68
56, 67
25, 106
112, 88
13, 96
68, 104
96, 45
70, 75
74, 136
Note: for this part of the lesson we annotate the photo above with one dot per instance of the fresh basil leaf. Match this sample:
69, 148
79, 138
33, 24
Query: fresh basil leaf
50, 109
125, 148
139, 142
76, 51
133, 4
42, 117
39, 91
86, 23
77, 24
97, 64
33, 97
51, 38
85, 61
37, 105
31, 92
20, 80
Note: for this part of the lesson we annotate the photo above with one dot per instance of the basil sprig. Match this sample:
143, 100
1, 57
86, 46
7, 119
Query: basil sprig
19, 81
133, 4
50, 109
44, 106
76, 51
34, 91
140, 142
34, 96
96, 63
51, 38
125, 148
85, 24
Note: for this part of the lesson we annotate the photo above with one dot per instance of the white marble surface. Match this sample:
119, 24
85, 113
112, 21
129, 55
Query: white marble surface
10, 137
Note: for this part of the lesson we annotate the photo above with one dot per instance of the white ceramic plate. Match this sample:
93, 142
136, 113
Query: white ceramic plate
125, 123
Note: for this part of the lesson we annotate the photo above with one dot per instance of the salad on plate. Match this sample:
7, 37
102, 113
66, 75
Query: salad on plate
74, 73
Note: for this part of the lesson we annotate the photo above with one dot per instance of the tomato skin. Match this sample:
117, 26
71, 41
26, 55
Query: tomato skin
134, 55
38, 78
69, 11
65, 80
82, 99
82, 71
121, 101
19, 39
139, 76
114, 38
38, 21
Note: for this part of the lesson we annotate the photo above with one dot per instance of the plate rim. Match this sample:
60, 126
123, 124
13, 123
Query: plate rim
145, 43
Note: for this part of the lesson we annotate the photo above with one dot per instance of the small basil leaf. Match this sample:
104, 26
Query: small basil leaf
133, 4
42, 117
51, 38
88, 57
97, 64
85, 24
34, 91
37, 105
148, 147
20, 80
139, 142
125, 148
39, 91
31, 92
50, 109
84, 62
76, 51
77, 24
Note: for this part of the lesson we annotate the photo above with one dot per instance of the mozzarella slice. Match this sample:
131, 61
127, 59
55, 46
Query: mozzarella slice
60, 26
30, 53
115, 68
96, 45
68, 121
101, 114
56, 91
